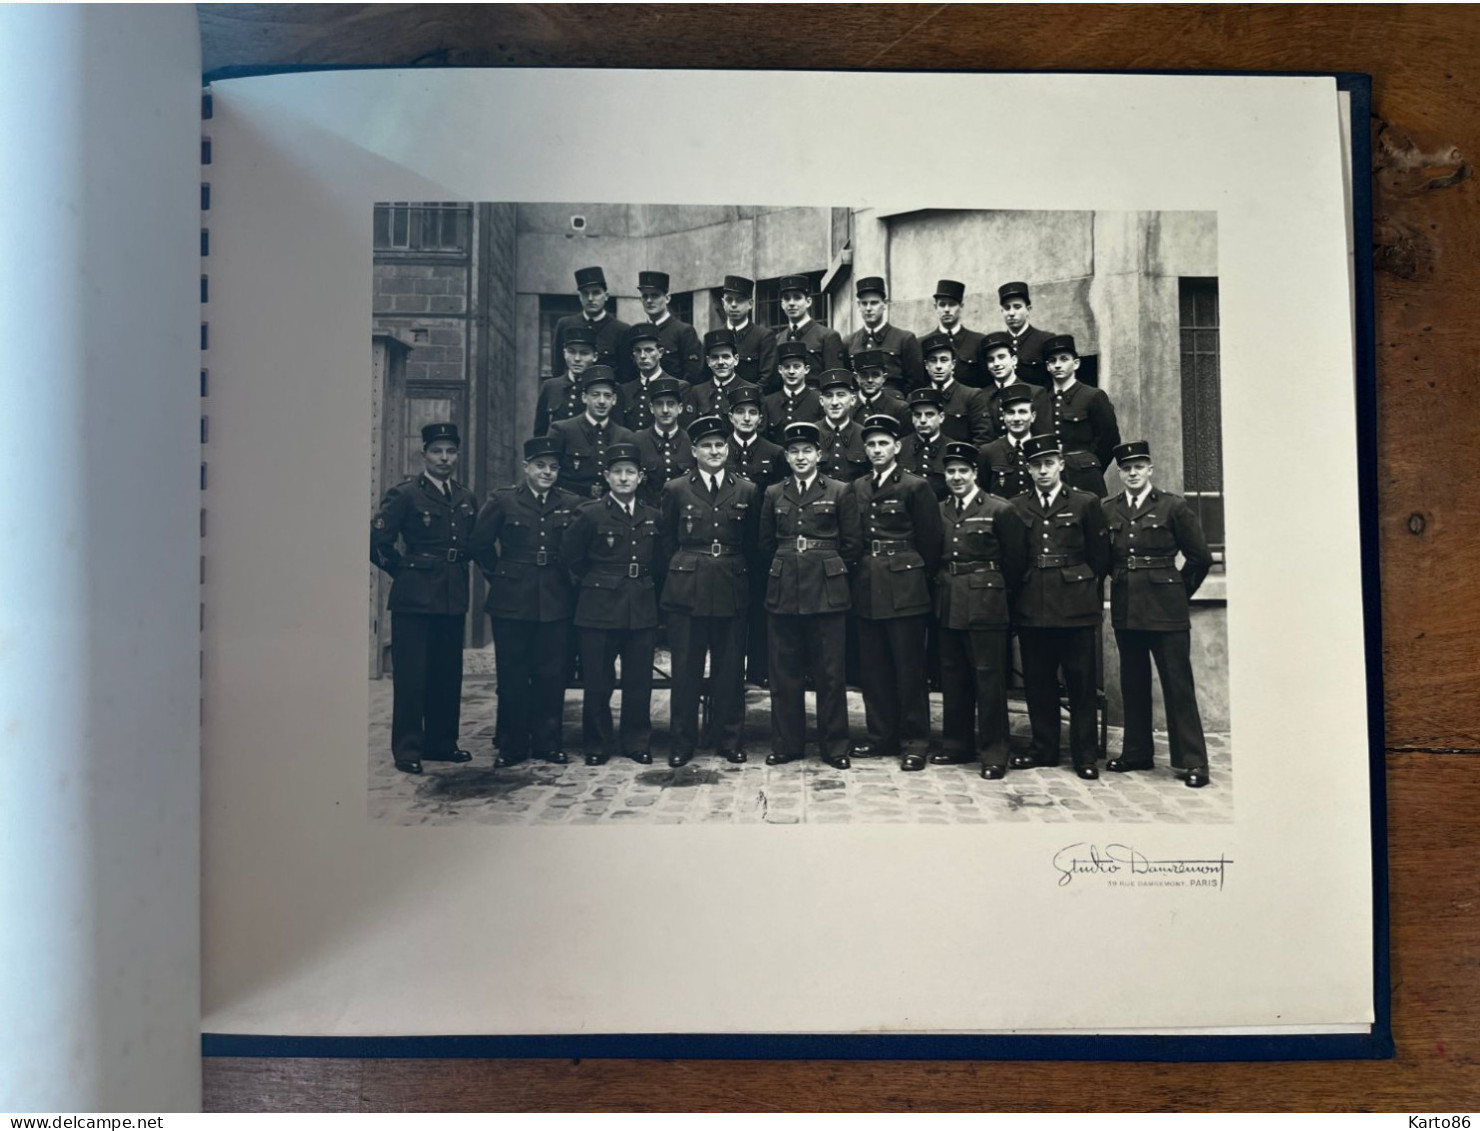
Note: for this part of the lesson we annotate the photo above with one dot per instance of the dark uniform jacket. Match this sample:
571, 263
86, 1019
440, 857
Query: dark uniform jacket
560, 399
516, 543
1146, 590
663, 458
1042, 407
582, 446
709, 399
970, 370
982, 564
783, 409
1084, 420
966, 415
886, 403
616, 563
683, 354
1002, 470
760, 461
636, 405
1030, 367
431, 566
841, 455
757, 348
901, 545
906, 370
1068, 554
709, 544
809, 539
826, 346
612, 347
927, 460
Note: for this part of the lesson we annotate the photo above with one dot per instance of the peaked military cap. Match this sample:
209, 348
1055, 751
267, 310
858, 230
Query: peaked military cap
746, 394
998, 339
1014, 393
959, 451
835, 379
871, 285
665, 387
590, 277
1059, 343
802, 432
598, 375
580, 335
652, 281
618, 453
950, 289
643, 332
708, 426
870, 359
541, 446
937, 341
1013, 290
1134, 449
796, 283
1035, 446
740, 285
714, 339
881, 422
927, 395
431, 433
793, 349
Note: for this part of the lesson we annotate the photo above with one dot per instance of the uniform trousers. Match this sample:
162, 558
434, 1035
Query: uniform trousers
530, 656
896, 697
1045, 652
723, 639
600, 648
1173, 654
426, 661
757, 647
973, 679
813, 645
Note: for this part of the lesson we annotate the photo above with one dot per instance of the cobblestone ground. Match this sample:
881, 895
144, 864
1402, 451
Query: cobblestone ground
709, 789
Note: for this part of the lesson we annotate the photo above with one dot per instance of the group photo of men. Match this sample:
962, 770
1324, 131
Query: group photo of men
806, 530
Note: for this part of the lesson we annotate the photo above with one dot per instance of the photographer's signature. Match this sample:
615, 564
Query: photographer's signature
1121, 861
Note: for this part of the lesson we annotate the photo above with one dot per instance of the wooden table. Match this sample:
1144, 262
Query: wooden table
1426, 129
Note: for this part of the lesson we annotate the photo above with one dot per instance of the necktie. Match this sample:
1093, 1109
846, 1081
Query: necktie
1046, 502
960, 508
713, 483
792, 334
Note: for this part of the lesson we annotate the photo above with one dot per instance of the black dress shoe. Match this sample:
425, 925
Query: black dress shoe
450, 756
1197, 778
912, 762
506, 758
409, 765
1022, 762
1088, 773
1121, 766
951, 758
595, 759
994, 773
557, 758
641, 757
838, 762
734, 757
774, 759
677, 760
868, 750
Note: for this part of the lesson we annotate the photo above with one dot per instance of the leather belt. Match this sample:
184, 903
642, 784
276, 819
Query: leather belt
539, 558
713, 549
1148, 562
1048, 561
890, 545
803, 544
971, 567
634, 569
452, 555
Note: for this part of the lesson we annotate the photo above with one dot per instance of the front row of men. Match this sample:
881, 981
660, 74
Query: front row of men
815, 549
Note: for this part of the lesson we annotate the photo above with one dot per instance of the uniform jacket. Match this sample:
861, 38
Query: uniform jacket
1084, 420
636, 406
970, 370
925, 460
582, 446
842, 455
612, 347
809, 539
760, 461
616, 563
516, 543
1153, 597
886, 403
1002, 470
988, 531
893, 580
709, 544
906, 370
663, 458
757, 349
708, 399
683, 354
1030, 367
826, 346
560, 399
782, 409
430, 567
1072, 531
966, 414
1042, 407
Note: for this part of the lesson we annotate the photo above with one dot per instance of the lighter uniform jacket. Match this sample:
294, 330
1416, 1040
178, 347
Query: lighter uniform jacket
430, 567
809, 539
582, 447
901, 545
981, 564
516, 542
616, 563
1147, 592
906, 370
709, 544
1073, 532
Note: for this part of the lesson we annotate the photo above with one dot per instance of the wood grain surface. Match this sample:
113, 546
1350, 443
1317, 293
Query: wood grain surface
1426, 130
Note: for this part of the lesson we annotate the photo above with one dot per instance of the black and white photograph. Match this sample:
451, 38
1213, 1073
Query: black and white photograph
749, 514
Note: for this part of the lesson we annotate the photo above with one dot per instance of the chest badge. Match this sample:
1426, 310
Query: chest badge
611, 539
426, 518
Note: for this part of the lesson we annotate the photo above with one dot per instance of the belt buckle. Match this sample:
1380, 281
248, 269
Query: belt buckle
802, 543
452, 555
1130, 563
634, 570
874, 548
541, 558
715, 549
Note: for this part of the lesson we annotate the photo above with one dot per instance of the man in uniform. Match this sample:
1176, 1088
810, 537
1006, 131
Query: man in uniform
756, 344
964, 408
923, 451
584, 439
899, 349
1003, 468
1057, 612
663, 447
1148, 610
999, 357
763, 463
560, 397
902, 535
712, 397
608, 333
1082, 417
432, 515
965, 344
796, 303
1028, 342
842, 455
874, 395
516, 543
809, 533
612, 551
796, 400
681, 353
636, 395
985, 547
708, 526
